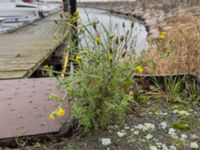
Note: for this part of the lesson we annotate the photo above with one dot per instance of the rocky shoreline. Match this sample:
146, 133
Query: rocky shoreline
155, 15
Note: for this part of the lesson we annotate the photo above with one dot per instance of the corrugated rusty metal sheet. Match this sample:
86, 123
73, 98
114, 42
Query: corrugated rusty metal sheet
25, 107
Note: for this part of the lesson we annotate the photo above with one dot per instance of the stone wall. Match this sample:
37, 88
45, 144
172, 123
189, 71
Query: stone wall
153, 12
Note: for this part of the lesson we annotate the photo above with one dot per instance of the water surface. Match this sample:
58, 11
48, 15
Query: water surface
139, 32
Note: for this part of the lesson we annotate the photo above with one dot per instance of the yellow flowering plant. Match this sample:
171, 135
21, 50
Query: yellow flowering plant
99, 85
98, 40
78, 58
139, 69
59, 112
110, 58
163, 35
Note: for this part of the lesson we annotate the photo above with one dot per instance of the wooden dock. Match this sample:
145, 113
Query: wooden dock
23, 50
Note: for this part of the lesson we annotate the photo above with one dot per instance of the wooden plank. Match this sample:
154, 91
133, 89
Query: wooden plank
24, 50
12, 74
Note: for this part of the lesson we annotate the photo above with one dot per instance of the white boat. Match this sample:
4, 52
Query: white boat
1, 21
17, 9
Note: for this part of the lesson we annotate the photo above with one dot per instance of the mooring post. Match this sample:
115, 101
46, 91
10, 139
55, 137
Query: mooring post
73, 9
73, 6
70, 6
65, 6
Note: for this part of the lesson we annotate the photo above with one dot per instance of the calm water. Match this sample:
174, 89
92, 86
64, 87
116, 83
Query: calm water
139, 32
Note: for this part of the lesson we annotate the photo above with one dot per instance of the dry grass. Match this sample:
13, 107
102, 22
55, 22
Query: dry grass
165, 5
184, 54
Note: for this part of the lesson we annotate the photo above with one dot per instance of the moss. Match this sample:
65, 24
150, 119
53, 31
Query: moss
181, 126
188, 119
179, 106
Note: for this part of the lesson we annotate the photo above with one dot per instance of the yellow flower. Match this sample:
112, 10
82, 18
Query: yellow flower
76, 14
74, 19
46, 67
78, 58
60, 112
163, 35
139, 69
110, 58
98, 40
52, 116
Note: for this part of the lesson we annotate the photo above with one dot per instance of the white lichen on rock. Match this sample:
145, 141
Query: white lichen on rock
181, 112
145, 126
126, 127
136, 132
162, 146
184, 136
194, 137
121, 133
194, 145
172, 133
163, 125
172, 147
153, 148
160, 113
149, 136
106, 141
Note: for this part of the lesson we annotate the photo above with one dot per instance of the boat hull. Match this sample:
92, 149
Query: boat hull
17, 12
14, 10
1, 21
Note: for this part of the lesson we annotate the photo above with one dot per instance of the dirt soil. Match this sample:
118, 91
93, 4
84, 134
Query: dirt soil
148, 127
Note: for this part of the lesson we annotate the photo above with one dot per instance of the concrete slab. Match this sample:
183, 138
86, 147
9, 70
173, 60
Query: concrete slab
25, 108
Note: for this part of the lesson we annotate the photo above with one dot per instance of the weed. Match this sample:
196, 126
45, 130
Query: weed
192, 92
103, 67
180, 126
